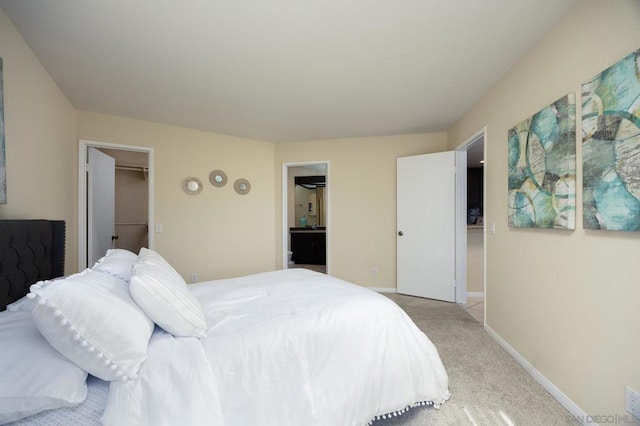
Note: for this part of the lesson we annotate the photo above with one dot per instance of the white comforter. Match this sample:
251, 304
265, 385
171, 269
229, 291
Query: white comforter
290, 347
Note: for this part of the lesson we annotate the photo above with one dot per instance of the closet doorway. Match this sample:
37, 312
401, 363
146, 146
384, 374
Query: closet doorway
115, 188
305, 216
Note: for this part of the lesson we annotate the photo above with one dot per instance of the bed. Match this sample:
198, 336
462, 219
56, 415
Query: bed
130, 343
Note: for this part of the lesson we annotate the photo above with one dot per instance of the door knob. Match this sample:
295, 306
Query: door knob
400, 233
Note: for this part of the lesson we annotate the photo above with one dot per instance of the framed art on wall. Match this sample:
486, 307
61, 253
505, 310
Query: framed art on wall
611, 147
542, 168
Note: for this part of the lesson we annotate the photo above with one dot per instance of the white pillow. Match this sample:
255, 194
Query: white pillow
21, 305
163, 295
91, 319
24, 304
33, 376
118, 262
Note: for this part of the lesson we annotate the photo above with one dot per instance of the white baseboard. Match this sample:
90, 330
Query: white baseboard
563, 399
393, 290
383, 289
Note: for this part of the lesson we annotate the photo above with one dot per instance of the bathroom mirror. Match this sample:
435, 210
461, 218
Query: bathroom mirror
218, 178
192, 185
242, 186
309, 200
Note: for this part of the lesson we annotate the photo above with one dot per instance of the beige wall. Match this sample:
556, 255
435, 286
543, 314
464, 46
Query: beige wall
361, 200
40, 141
218, 233
565, 300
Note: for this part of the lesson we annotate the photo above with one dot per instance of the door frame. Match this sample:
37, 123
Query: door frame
83, 146
285, 209
461, 214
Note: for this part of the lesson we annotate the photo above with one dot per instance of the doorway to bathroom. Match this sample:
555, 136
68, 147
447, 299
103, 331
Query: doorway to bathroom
305, 211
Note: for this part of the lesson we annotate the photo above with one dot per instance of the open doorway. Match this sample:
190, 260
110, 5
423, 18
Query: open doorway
305, 210
130, 198
471, 230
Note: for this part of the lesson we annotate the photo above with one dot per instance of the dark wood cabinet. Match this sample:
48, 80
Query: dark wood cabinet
309, 247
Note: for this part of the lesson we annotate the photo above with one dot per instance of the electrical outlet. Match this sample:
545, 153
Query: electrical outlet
633, 402
374, 271
194, 277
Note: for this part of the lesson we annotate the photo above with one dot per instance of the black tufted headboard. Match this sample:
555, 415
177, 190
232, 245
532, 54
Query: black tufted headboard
30, 251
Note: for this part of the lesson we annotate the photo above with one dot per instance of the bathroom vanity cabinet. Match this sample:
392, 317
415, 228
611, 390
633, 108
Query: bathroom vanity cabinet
309, 246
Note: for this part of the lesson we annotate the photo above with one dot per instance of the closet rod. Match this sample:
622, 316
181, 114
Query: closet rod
132, 167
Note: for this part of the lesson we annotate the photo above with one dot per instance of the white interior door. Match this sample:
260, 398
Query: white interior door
426, 216
101, 189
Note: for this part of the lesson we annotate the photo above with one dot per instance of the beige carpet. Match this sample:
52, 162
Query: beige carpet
487, 386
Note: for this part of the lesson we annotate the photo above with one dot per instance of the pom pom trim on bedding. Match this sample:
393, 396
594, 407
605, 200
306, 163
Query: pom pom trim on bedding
405, 409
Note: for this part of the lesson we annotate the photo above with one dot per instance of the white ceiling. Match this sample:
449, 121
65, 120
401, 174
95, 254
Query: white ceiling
282, 70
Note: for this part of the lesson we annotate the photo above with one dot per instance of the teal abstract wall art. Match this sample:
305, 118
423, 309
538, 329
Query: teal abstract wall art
3, 168
542, 168
611, 147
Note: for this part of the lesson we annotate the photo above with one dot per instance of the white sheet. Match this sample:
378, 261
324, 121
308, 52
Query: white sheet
290, 347
89, 413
